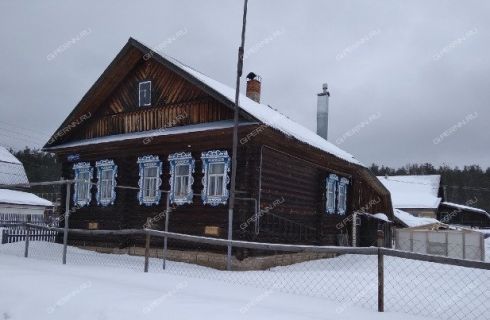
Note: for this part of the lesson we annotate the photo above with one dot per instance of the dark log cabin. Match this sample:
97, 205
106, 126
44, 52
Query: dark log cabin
463, 215
152, 123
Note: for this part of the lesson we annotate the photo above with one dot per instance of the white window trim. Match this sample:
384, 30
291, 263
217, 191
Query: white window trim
342, 195
178, 159
106, 165
139, 93
149, 162
215, 156
82, 167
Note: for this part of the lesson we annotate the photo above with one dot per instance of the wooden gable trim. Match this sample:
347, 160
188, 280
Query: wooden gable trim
121, 66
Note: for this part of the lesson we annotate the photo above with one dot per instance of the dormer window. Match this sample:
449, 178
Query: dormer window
145, 93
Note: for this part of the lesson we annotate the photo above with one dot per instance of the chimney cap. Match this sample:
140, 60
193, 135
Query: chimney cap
252, 76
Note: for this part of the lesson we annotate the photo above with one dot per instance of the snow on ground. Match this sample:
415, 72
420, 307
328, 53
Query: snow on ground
97, 285
487, 249
35, 289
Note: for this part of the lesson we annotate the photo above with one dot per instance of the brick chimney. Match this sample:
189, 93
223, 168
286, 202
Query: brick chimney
253, 87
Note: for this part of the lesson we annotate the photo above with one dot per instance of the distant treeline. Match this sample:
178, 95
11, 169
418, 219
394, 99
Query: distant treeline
461, 184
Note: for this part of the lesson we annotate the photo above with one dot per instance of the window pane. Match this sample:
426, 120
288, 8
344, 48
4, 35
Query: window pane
211, 185
219, 185
216, 168
145, 93
181, 170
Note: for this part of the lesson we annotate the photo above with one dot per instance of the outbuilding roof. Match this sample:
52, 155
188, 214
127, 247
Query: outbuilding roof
413, 192
11, 169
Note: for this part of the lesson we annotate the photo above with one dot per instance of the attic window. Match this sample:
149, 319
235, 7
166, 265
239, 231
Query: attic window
144, 93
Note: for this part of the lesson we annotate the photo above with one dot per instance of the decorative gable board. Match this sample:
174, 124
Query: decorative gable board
174, 102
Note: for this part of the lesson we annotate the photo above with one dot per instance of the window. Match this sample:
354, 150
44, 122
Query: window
150, 170
216, 179
144, 93
83, 176
181, 180
106, 182
215, 167
336, 193
332, 193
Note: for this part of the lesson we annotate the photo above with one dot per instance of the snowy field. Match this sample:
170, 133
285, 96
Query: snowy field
100, 286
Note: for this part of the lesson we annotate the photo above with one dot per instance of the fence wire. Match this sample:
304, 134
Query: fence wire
411, 286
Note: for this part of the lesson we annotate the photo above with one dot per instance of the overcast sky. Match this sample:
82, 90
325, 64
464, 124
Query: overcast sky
409, 80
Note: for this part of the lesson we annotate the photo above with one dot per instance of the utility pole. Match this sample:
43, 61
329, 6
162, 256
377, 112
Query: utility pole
235, 137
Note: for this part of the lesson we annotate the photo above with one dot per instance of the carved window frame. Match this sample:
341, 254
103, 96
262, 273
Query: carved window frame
181, 159
106, 165
215, 157
149, 161
79, 169
331, 193
343, 185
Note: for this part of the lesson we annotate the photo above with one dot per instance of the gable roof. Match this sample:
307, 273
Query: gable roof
133, 51
465, 208
413, 192
11, 169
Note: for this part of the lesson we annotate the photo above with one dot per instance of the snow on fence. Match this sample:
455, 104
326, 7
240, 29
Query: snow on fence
460, 244
375, 278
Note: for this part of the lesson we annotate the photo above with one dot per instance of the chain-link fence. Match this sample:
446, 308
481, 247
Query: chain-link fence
426, 285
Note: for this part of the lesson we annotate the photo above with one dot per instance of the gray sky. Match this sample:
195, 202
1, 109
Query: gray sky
409, 80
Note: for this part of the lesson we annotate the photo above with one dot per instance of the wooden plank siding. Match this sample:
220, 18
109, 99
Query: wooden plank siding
271, 166
172, 98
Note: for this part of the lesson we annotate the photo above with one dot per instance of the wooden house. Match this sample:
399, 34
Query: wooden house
152, 123
463, 215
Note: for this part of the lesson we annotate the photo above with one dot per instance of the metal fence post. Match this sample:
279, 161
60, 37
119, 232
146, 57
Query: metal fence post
147, 246
165, 239
380, 272
66, 221
26, 251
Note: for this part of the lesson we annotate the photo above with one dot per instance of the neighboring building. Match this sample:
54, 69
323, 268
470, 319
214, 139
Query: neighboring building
404, 219
457, 214
417, 195
16, 205
152, 123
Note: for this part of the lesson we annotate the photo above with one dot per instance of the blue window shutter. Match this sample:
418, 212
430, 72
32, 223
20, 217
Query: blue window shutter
181, 159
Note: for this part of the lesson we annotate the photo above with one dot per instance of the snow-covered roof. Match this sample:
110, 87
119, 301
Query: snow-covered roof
466, 208
216, 125
268, 115
413, 221
414, 192
22, 198
381, 216
11, 169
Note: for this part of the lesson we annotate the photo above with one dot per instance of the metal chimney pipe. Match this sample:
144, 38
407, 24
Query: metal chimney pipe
322, 113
